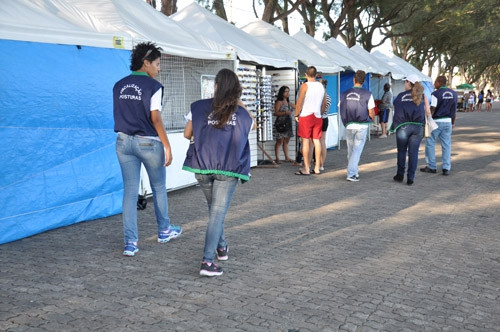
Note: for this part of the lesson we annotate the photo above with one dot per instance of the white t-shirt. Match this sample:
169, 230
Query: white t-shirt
156, 101
155, 105
313, 99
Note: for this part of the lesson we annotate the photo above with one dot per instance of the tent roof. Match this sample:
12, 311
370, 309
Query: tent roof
354, 61
100, 24
405, 68
375, 64
284, 43
247, 47
335, 53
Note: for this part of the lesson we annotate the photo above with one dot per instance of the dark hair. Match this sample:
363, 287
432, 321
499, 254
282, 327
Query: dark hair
359, 77
387, 87
311, 71
281, 92
227, 94
324, 82
143, 51
441, 80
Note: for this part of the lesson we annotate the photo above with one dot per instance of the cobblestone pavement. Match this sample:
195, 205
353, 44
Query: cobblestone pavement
313, 253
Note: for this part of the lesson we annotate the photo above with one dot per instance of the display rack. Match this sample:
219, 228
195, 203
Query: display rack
248, 80
257, 97
265, 114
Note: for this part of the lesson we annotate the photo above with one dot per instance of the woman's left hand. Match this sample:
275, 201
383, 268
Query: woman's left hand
168, 157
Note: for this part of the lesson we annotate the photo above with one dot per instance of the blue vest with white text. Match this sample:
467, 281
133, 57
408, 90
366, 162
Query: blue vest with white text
406, 111
132, 104
354, 106
446, 103
214, 150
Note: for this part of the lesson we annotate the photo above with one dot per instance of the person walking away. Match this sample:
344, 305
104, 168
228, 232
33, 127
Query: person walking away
472, 101
466, 101
480, 98
324, 128
357, 113
310, 104
443, 109
489, 100
410, 108
219, 156
283, 109
137, 106
385, 109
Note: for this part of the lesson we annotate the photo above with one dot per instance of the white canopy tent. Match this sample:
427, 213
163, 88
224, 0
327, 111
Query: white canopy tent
346, 55
319, 48
406, 69
286, 44
335, 52
375, 65
401, 65
247, 47
109, 24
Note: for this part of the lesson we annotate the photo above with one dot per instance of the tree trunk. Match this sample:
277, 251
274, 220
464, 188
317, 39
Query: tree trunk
218, 6
269, 9
168, 7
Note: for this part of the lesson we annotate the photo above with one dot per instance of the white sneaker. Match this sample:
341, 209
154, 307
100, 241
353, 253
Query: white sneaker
354, 178
382, 136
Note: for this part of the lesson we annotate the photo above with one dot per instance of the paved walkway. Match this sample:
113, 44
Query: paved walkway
313, 253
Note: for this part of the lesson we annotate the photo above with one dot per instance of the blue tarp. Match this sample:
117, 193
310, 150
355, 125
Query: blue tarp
58, 158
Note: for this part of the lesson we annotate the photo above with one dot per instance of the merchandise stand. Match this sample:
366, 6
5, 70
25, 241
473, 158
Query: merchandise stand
259, 90
247, 74
265, 118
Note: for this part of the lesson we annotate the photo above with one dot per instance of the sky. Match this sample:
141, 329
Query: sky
241, 13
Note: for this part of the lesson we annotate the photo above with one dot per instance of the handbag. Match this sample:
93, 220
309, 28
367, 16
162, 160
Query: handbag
430, 125
283, 124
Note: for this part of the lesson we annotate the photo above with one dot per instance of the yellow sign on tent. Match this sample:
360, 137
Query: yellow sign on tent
118, 42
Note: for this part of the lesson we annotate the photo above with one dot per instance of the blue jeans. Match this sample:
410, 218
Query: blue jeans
356, 139
132, 151
444, 133
408, 138
218, 190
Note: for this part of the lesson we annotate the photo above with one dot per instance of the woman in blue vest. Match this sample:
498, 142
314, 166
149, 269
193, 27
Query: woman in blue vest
410, 108
137, 106
219, 155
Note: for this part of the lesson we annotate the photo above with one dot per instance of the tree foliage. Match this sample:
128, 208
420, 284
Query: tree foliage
460, 37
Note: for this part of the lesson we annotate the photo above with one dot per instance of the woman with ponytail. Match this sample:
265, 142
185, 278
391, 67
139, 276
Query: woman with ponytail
219, 155
410, 109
